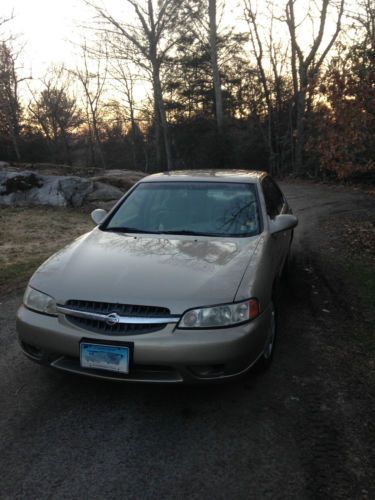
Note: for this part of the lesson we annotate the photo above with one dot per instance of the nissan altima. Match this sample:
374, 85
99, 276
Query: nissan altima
175, 284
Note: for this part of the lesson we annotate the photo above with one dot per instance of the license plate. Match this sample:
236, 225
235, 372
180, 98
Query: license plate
105, 357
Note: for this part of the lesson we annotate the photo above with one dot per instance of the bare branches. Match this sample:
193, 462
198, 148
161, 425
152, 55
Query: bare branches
93, 84
310, 59
333, 39
4, 20
119, 28
277, 59
151, 37
257, 46
291, 23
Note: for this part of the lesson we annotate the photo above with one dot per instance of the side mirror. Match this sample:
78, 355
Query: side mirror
283, 222
98, 215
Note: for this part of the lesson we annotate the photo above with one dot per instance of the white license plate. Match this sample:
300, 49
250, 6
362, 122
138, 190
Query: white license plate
105, 357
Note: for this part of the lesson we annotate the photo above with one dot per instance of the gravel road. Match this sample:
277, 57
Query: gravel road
303, 430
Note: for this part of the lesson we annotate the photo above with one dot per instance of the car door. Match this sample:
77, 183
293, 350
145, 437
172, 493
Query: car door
276, 204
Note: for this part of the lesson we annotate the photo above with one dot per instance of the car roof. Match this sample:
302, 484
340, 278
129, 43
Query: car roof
251, 176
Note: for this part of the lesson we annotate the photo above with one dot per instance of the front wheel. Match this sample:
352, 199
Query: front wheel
266, 358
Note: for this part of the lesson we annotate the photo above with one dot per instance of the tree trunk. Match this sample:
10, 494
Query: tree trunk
158, 146
146, 158
161, 109
97, 138
300, 123
272, 166
68, 157
99, 148
133, 133
15, 137
214, 65
300, 133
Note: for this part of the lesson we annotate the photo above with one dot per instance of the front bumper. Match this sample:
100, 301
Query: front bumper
169, 355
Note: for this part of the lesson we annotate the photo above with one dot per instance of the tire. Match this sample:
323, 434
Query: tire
265, 360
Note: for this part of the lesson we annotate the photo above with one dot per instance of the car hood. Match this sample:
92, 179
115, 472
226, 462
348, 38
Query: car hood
177, 272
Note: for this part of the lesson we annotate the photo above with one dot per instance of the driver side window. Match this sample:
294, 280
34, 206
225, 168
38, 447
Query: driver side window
273, 197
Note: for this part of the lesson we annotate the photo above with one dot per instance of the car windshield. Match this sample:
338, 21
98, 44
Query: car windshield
196, 208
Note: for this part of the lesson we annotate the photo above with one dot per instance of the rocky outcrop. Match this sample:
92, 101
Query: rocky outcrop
28, 189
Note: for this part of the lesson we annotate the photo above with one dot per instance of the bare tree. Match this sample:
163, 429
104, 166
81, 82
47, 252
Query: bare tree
204, 21
275, 59
271, 60
151, 37
305, 68
125, 82
258, 51
93, 83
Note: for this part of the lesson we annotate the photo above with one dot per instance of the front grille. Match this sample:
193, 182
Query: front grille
121, 309
97, 326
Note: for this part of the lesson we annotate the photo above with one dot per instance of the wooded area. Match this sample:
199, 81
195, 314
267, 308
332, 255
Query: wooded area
290, 89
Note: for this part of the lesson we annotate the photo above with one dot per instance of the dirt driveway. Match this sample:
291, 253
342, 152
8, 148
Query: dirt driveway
303, 430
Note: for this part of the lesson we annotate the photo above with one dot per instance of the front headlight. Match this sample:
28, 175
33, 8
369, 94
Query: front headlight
221, 315
38, 301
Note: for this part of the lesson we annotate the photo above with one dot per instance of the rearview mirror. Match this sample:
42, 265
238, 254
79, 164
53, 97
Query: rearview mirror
98, 215
283, 222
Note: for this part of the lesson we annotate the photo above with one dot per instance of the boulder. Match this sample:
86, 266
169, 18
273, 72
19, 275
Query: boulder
75, 190
28, 188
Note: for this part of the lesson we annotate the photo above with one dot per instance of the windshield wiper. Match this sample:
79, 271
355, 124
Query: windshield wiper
212, 235
129, 230
185, 232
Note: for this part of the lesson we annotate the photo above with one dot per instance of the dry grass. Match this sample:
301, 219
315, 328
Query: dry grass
29, 235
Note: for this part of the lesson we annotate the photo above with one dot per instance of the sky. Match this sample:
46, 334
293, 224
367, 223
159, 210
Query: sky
50, 30
47, 28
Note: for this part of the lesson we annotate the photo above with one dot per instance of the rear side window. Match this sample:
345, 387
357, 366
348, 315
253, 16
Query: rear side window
273, 197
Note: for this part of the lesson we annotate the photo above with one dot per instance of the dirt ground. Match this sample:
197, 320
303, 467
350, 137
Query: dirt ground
303, 430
